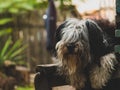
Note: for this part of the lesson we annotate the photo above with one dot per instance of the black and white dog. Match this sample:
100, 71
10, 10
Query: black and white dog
86, 57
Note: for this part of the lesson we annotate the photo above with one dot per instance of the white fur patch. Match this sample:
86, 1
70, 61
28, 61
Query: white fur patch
74, 30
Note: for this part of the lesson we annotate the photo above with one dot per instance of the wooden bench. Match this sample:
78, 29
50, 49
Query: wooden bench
47, 78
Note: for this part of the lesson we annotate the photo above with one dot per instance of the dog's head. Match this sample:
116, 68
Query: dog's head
73, 44
78, 39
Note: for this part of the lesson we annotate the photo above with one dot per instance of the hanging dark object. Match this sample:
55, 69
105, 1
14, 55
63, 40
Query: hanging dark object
50, 25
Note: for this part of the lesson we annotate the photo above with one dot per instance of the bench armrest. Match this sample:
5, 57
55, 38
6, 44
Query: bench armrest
48, 77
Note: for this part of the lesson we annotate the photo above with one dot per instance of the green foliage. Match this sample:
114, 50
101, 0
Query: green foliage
5, 31
12, 51
9, 10
21, 6
8, 49
5, 20
25, 88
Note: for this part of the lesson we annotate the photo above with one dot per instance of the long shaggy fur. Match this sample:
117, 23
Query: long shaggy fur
84, 53
100, 75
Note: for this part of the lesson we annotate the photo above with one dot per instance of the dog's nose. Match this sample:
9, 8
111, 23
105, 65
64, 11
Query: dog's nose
70, 47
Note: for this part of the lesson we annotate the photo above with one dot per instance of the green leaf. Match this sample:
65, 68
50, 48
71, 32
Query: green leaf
19, 57
18, 1
25, 88
5, 21
5, 31
5, 4
6, 47
17, 44
13, 10
25, 6
18, 51
1, 10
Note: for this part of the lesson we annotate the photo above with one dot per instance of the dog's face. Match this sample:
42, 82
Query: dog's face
73, 37
73, 47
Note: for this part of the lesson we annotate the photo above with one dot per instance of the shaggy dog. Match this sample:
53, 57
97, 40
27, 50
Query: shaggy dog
85, 54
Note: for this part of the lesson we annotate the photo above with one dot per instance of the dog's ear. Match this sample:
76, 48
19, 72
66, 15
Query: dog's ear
58, 35
58, 32
97, 40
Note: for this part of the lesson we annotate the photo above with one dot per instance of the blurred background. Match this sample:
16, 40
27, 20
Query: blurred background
27, 29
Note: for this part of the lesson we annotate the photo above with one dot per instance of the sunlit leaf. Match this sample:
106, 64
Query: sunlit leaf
5, 31
16, 45
25, 6
19, 57
1, 10
6, 46
18, 51
13, 10
17, 1
5, 20
5, 4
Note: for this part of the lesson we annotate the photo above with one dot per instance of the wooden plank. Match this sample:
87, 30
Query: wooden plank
47, 77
